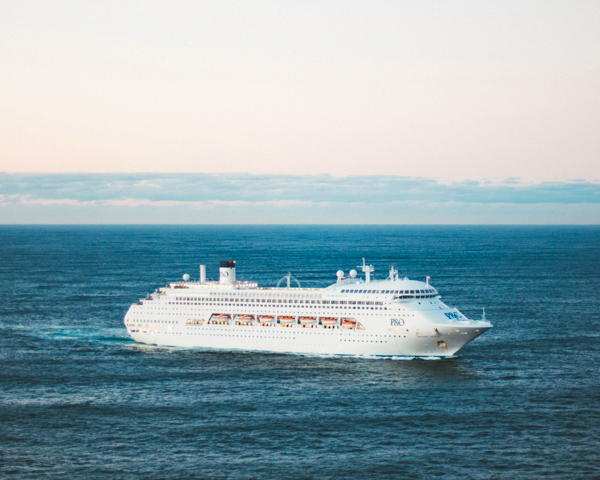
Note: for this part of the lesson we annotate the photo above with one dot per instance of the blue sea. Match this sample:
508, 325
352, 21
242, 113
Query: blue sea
79, 399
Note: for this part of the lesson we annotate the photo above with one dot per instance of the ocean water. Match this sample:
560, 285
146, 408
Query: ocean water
79, 399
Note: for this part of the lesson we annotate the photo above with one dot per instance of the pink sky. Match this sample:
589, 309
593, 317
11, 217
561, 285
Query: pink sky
451, 90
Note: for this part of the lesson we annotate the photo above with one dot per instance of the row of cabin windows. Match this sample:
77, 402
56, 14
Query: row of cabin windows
390, 291
244, 296
242, 300
324, 302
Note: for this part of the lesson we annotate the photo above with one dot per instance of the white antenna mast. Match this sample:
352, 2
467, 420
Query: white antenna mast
368, 269
393, 274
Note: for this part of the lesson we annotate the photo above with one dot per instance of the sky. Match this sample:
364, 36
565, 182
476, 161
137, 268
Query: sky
465, 111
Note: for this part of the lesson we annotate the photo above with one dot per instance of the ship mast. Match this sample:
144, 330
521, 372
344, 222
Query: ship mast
368, 269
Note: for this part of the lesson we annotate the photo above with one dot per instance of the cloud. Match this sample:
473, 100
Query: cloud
244, 198
280, 188
145, 183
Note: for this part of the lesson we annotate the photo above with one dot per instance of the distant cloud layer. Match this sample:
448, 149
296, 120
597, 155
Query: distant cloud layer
245, 198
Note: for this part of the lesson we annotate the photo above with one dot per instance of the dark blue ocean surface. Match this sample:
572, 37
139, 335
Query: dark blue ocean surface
79, 399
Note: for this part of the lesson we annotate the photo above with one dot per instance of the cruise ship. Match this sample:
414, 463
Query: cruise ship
353, 316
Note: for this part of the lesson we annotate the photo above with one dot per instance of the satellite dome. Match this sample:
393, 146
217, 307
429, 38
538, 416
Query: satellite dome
353, 273
340, 274
186, 278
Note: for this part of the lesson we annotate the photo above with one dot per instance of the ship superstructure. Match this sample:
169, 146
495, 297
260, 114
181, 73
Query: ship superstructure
354, 316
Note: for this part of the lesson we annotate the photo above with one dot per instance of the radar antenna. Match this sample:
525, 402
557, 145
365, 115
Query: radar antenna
368, 269
288, 277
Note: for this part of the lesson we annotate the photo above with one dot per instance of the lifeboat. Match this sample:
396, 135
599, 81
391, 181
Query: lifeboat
220, 319
244, 317
307, 320
348, 323
198, 321
286, 321
329, 321
266, 318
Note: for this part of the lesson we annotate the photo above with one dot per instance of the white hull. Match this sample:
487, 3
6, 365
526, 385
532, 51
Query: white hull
316, 341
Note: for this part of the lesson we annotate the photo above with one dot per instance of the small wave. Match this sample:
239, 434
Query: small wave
93, 335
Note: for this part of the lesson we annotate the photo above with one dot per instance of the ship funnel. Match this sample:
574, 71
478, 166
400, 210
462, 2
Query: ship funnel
202, 273
227, 273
